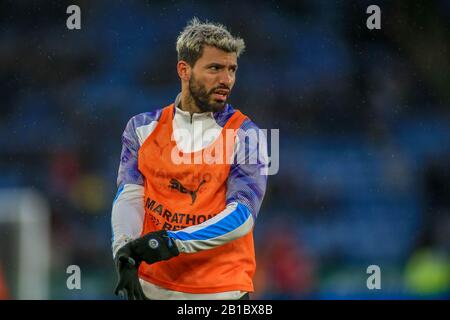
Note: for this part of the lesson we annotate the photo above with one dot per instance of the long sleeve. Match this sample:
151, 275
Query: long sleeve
127, 214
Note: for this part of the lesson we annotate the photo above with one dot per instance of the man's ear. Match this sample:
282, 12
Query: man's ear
184, 70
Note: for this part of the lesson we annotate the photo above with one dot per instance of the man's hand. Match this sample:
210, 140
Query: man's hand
152, 247
128, 286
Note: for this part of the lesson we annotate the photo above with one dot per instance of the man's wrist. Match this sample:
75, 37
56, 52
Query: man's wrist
120, 243
154, 247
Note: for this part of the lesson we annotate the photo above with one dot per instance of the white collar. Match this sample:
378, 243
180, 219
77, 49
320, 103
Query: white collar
187, 115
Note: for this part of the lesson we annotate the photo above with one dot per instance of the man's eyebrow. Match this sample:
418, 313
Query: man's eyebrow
216, 64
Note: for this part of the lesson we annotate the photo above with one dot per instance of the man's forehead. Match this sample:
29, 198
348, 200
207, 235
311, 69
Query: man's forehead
213, 54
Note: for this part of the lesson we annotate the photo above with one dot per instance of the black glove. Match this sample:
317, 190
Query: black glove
152, 247
128, 286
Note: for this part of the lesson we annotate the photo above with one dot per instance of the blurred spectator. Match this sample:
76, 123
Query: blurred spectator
3, 289
285, 270
427, 274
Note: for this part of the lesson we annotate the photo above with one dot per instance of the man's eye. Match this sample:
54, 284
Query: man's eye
215, 68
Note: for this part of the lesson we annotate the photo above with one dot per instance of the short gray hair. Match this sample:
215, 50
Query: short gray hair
197, 34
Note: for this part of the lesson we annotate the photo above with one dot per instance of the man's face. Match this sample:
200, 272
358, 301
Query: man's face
212, 79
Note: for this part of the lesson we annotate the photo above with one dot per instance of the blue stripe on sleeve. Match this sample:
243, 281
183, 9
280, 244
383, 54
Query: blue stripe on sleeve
118, 193
229, 223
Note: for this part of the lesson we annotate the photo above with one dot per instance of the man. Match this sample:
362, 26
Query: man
183, 228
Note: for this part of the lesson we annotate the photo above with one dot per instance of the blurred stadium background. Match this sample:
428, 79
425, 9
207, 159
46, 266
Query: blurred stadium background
364, 119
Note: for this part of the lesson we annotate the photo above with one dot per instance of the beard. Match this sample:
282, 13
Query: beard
202, 97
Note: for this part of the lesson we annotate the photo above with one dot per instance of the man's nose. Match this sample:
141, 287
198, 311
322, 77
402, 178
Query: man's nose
226, 78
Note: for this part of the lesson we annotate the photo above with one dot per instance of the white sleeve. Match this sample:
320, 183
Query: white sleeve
127, 216
230, 224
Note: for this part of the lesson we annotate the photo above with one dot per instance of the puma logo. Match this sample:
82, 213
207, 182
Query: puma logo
161, 148
175, 184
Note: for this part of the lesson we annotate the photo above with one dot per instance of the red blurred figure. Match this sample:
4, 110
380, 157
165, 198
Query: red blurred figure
3, 289
287, 270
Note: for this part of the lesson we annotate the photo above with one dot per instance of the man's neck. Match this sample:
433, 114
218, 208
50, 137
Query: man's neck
188, 104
